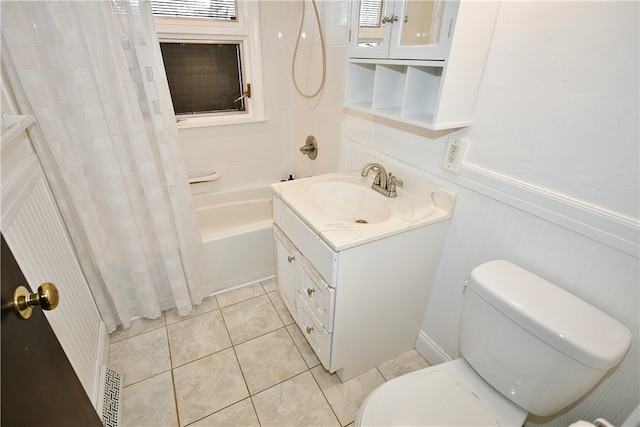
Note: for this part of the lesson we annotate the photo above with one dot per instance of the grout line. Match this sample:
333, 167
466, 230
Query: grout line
173, 382
325, 396
175, 398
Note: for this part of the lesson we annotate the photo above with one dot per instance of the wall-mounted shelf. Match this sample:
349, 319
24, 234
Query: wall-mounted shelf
431, 88
406, 91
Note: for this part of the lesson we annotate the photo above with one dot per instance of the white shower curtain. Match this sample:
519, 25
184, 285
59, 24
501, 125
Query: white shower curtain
91, 73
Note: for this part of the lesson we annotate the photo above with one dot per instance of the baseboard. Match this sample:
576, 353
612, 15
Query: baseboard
428, 349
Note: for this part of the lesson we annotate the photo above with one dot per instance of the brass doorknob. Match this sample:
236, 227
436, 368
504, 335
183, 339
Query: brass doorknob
23, 301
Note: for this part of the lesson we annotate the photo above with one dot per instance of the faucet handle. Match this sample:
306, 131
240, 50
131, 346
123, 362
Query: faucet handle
393, 180
376, 179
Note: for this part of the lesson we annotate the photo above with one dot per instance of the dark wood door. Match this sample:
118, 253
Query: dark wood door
39, 385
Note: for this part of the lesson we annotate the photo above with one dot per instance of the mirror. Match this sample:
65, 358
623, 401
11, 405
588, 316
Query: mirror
370, 26
422, 21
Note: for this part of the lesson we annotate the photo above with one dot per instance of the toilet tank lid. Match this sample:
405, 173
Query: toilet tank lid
557, 317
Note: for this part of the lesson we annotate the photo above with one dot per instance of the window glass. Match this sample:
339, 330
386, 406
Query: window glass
216, 9
203, 77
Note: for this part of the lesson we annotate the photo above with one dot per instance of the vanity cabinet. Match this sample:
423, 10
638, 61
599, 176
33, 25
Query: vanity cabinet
360, 306
421, 63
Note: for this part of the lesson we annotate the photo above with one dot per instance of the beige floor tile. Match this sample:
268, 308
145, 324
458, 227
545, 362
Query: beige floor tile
197, 337
207, 304
295, 402
241, 294
250, 319
140, 357
150, 403
305, 349
208, 385
282, 310
269, 285
269, 359
403, 364
137, 327
346, 398
239, 414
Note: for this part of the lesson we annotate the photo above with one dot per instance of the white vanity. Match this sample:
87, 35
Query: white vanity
354, 267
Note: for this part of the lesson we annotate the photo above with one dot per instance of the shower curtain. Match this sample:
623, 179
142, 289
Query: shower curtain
91, 73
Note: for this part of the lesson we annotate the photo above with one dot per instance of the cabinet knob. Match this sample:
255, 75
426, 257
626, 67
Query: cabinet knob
309, 329
291, 258
310, 291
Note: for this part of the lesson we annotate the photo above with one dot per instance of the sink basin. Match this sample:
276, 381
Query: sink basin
348, 201
345, 211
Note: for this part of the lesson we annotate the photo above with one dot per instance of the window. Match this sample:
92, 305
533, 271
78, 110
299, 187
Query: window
204, 77
212, 60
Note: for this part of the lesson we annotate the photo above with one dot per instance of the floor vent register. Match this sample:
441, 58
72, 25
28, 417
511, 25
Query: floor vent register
109, 406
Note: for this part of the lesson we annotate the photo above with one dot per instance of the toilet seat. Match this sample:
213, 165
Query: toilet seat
451, 394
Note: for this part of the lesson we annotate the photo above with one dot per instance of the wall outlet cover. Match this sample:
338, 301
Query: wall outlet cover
454, 154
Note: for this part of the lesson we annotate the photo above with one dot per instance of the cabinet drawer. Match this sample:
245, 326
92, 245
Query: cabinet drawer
306, 240
319, 339
317, 294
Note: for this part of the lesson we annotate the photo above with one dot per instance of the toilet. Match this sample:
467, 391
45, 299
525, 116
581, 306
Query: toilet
526, 346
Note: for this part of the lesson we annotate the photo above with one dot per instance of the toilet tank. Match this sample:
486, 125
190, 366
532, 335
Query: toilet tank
538, 345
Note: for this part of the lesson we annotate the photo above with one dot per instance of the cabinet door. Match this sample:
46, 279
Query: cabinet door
369, 31
288, 270
423, 30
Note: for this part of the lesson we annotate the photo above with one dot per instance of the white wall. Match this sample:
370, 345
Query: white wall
558, 106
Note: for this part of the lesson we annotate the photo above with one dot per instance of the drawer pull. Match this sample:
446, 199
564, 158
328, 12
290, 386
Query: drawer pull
309, 329
291, 258
310, 291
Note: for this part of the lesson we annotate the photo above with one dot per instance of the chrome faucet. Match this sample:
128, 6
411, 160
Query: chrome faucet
382, 183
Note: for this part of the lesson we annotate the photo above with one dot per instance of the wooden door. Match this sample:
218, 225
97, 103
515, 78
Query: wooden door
39, 386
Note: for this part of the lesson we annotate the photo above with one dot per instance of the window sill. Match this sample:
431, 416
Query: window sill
196, 122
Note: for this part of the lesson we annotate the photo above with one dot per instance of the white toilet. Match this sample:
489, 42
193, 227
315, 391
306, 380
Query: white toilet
527, 346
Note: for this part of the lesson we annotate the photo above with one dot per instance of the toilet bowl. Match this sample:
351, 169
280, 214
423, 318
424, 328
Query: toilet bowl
449, 394
522, 352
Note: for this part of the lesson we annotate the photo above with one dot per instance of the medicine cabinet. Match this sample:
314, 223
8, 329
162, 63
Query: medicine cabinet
402, 29
418, 61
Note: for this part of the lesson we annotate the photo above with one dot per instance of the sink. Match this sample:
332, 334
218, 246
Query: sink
345, 200
345, 211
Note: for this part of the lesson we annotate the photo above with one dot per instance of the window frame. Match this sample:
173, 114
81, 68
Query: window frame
245, 30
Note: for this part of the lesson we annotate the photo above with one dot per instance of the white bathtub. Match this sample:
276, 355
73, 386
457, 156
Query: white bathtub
236, 228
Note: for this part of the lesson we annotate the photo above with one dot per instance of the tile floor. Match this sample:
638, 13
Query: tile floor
237, 360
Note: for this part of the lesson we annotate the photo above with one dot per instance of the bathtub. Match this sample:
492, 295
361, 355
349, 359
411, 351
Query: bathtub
236, 228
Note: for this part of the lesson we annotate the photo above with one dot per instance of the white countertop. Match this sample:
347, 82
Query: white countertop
333, 217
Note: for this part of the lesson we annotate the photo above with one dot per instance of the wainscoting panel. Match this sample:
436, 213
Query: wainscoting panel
33, 229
